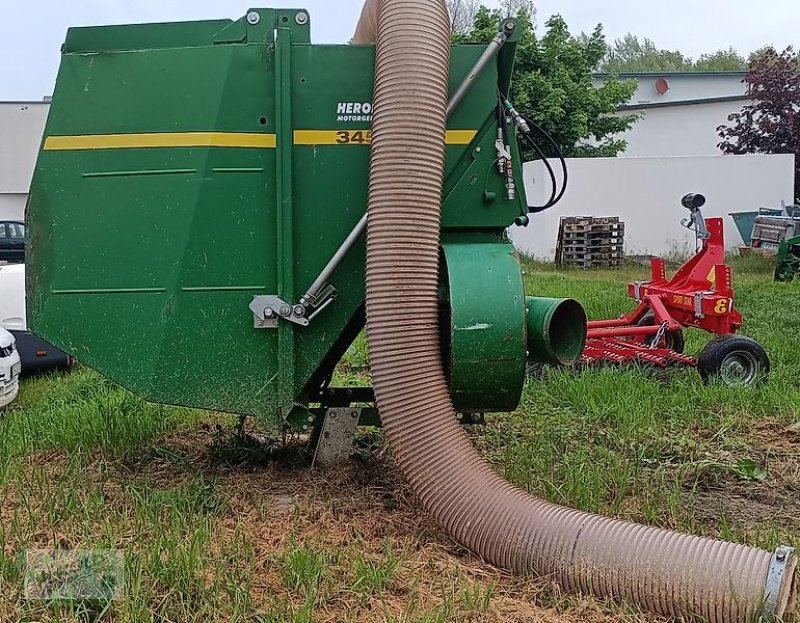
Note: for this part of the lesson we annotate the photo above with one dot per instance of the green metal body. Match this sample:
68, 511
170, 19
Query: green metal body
189, 167
485, 345
556, 330
787, 260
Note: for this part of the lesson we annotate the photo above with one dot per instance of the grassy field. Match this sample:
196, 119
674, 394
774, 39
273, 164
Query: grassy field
213, 529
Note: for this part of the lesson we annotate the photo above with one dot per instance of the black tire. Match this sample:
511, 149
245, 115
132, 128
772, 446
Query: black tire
734, 360
674, 340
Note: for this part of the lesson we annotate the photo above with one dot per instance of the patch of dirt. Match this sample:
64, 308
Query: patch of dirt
353, 510
774, 436
744, 508
749, 503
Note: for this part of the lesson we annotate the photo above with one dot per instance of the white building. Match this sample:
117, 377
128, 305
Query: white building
680, 112
672, 150
646, 193
21, 130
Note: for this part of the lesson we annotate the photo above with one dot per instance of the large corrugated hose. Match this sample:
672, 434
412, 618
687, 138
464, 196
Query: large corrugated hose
662, 571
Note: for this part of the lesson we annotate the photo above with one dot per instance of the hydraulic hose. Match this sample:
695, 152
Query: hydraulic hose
662, 571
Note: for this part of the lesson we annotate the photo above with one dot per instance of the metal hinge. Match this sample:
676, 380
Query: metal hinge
269, 309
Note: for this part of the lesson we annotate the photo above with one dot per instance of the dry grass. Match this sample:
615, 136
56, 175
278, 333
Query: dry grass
263, 527
217, 528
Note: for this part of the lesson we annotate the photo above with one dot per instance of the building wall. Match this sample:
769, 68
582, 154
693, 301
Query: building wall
12, 206
683, 86
646, 192
21, 128
683, 120
688, 130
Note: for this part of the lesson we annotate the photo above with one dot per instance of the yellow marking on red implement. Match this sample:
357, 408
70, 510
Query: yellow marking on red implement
160, 139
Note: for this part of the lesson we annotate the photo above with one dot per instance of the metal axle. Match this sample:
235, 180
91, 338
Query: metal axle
311, 295
488, 55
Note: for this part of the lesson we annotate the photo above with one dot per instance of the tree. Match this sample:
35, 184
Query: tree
629, 54
462, 15
632, 55
512, 8
552, 85
771, 124
757, 53
722, 60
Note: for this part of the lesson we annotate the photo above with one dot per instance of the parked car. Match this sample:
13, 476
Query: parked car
12, 241
36, 354
10, 368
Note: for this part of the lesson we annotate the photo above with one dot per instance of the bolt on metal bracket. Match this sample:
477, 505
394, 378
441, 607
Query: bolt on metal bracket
698, 304
782, 565
337, 436
269, 309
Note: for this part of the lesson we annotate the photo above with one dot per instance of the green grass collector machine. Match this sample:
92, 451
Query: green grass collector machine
197, 218
197, 226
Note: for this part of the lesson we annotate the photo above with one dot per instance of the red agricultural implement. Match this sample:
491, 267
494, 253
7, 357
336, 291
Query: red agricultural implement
700, 295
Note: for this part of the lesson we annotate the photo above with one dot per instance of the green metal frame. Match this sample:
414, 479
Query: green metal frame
187, 168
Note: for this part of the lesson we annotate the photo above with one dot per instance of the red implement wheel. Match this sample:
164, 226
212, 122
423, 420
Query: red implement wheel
735, 360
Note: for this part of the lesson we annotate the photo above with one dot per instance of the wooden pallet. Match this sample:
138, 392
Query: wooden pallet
594, 255
590, 220
593, 265
618, 231
601, 243
590, 242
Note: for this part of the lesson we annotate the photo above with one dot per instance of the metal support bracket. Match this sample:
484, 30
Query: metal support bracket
637, 291
268, 309
337, 436
698, 304
781, 567
697, 224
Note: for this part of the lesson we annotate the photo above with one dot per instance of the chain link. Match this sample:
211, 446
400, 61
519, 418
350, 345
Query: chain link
662, 330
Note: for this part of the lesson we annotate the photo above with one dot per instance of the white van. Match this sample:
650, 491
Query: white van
36, 354
12, 297
10, 368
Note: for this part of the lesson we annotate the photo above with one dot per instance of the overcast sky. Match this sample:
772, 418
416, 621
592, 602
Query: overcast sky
32, 33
